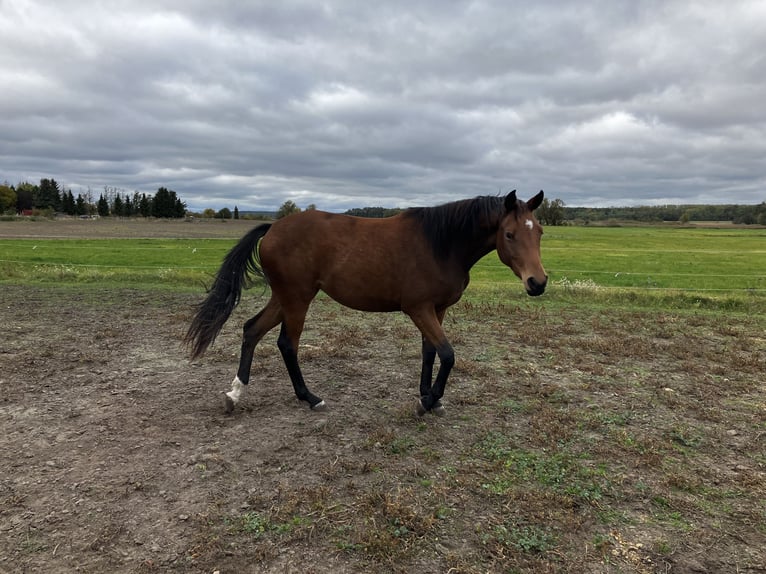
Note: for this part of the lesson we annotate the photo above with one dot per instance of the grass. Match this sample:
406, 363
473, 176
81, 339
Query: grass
150, 262
679, 268
689, 268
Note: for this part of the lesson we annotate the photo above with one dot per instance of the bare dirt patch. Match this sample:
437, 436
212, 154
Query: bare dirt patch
576, 440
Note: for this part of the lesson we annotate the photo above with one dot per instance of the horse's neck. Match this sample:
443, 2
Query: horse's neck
470, 252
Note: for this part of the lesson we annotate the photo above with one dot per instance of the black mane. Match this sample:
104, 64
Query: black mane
457, 223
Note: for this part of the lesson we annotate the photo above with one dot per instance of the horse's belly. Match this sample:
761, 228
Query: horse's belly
364, 300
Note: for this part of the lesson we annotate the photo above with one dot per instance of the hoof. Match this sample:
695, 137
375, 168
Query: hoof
320, 407
438, 409
228, 404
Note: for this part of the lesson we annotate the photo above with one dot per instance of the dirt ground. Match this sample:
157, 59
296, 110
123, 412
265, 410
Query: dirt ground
117, 455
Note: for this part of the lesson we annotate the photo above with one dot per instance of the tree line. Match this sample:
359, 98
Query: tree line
48, 197
555, 212
739, 214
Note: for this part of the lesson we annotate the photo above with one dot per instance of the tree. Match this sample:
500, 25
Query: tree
48, 195
127, 207
373, 211
117, 205
7, 198
102, 207
180, 207
167, 204
209, 213
25, 196
81, 206
162, 204
287, 208
145, 206
67, 203
236, 212
551, 212
224, 213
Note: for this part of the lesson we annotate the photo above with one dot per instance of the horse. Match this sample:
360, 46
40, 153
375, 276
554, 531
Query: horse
417, 262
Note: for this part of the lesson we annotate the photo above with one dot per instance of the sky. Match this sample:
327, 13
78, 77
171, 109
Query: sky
346, 104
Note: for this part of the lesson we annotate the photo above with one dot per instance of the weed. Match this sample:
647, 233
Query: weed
686, 437
33, 542
528, 538
401, 445
560, 471
257, 525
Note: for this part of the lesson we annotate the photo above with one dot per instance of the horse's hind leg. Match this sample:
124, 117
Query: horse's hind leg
253, 331
289, 336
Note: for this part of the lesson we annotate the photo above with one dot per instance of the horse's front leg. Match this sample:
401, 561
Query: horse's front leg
429, 321
431, 401
426, 377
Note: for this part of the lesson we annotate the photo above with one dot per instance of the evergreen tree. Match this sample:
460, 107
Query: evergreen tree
25, 196
162, 205
180, 210
236, 212
81, 207
117, 205
48, 195
145, 206
67, 203
102, 207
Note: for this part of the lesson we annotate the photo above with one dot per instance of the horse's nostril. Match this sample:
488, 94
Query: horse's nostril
535, 287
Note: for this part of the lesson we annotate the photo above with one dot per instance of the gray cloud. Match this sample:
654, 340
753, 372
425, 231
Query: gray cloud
346, 104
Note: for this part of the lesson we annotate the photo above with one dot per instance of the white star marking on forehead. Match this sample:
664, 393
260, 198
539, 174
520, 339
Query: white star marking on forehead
529, 224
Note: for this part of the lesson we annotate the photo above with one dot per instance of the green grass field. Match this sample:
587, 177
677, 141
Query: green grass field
149, 262
723, 268
651, 257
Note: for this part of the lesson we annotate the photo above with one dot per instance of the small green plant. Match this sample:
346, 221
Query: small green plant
686, 437
401, 445
561, 472
257, 525
528, 538
252, 523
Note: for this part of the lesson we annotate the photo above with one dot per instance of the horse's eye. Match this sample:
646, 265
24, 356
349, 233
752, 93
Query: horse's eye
509, 235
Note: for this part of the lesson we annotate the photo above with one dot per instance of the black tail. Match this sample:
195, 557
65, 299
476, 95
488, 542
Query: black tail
239, 267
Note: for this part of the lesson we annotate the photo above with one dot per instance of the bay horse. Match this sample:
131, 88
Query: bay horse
417, 262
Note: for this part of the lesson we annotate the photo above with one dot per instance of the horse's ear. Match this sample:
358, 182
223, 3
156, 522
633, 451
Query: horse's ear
510, 201
536, 201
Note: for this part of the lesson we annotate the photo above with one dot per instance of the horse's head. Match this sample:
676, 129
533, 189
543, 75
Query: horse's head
518, 242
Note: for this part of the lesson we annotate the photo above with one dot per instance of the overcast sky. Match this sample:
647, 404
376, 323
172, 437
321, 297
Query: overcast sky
349, 103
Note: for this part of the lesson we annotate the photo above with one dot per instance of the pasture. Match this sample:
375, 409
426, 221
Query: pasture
617, 424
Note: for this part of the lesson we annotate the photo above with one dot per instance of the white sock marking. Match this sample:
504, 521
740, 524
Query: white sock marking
237, 388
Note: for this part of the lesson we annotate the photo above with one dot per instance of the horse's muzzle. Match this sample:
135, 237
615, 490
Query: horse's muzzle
534, 287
